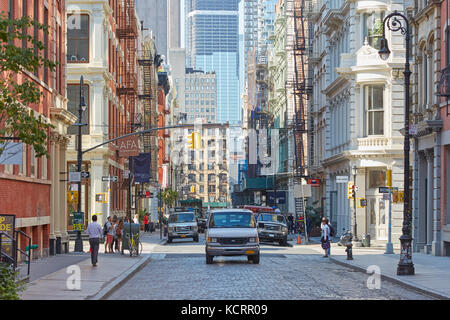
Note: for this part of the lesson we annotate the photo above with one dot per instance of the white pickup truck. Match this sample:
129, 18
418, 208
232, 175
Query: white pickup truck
182, 225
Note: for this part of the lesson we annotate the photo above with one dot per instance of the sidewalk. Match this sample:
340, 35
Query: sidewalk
49, 278
431, 277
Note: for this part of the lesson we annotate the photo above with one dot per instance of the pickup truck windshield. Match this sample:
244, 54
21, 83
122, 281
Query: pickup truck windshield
271, 217
181, 217
232, 220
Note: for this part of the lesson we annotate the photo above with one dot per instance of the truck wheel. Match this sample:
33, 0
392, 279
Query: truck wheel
283, 242
209, 259
169, 240
254, 259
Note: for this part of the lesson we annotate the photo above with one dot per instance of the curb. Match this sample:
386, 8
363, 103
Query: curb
394, 280
115, 284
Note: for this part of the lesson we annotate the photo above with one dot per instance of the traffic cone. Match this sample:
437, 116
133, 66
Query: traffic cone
299, 240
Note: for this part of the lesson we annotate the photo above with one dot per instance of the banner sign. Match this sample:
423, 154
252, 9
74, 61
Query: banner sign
141, 167
12, 153
7, 225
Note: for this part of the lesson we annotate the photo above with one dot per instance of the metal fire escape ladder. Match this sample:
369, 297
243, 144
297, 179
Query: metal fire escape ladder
301, 89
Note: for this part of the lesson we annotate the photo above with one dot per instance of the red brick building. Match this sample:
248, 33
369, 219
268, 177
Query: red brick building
35, 190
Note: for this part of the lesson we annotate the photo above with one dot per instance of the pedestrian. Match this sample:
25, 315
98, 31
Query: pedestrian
135, 219
146, 223
110, 235
119, 232
107, 229
95, 232
308, 227
115, 241
325, 238
291, 223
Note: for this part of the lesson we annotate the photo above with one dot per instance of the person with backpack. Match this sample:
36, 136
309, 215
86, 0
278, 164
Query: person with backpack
325, 239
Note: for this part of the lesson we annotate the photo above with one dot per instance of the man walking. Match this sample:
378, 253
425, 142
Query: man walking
95, 232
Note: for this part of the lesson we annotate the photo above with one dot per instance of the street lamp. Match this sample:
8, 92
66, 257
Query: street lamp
355, 234
81, 108
398, 22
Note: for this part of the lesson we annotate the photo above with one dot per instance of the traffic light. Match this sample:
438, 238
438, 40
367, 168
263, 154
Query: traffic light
194, 140
192, 189
389, 178
350, 189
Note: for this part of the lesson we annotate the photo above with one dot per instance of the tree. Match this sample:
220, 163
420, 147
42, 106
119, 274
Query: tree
16, 118
169, 197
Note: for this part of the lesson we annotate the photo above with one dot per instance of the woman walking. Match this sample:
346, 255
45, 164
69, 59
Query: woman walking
119, 232
325, 239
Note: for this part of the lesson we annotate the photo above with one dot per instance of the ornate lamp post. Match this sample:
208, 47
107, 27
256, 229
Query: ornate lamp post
355, 227
398, 22
81, 108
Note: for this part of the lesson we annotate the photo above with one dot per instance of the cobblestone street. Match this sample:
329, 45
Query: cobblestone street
178, 271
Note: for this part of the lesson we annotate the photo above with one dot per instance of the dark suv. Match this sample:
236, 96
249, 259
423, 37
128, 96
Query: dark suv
272, 227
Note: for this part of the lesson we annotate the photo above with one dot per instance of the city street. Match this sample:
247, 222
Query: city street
178, 271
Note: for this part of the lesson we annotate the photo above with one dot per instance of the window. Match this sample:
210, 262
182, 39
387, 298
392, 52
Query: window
447, 46
376, 178
211, 188
73, 94
373, 28
46, 22
373, 101
78, 38
211, 177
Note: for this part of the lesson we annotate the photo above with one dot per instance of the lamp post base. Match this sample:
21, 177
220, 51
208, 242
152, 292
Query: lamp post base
78, 243
389, 248
405, 266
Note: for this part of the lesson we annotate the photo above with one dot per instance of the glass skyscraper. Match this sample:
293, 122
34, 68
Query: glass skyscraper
212, 44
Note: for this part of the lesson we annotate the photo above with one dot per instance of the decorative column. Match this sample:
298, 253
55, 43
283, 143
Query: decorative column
54, 177
436, 245
64, 141
429, 231
56, 203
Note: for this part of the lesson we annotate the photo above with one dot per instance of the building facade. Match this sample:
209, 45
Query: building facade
357, 113
212, 45
42, 213
102, 44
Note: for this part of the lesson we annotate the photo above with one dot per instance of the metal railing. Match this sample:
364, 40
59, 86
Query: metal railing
15, 249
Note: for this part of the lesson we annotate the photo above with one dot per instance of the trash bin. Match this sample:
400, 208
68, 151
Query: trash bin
126, 233
366, 240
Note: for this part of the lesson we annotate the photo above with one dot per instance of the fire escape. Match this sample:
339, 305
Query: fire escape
126, 89
300, 85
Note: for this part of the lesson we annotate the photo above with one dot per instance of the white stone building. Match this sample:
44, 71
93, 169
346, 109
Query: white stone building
357, 113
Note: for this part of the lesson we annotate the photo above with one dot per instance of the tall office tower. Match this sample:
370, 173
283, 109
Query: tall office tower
212, 44
173, 24
266, 17
154, 15
250, 14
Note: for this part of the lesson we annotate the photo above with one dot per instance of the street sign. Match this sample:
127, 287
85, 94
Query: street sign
101, 197
413, 129
85, 175
314, 182
72, 197
75, 176
341, 179
363, 203
111, 178
383, 190
78, 221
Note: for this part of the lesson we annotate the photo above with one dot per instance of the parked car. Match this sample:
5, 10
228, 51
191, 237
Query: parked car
232, 232
272, 227
182, 225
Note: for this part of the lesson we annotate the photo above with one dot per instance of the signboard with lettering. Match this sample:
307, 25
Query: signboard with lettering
7, 226
128, 147
78, 221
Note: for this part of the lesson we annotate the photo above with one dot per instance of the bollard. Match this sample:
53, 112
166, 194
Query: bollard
349, 251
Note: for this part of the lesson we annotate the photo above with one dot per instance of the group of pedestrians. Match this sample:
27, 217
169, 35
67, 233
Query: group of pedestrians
112, 231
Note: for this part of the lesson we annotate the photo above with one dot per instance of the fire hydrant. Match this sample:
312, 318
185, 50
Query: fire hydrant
349, 251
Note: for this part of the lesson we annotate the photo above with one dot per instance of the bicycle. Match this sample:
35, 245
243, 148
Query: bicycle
134, 244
